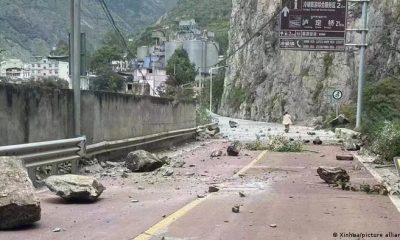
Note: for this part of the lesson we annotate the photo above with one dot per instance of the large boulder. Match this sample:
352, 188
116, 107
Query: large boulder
333, 175
233, 124
234, 149
75, 188
340, 120
19, 205
143, 161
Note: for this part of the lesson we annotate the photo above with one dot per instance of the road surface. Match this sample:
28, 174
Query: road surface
284, 199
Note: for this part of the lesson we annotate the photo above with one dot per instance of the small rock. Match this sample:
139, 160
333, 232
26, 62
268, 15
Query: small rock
236, 209
241, 194
344, 157
192, 165
200, 196
56, 230
234, 149
233, 124
134, 201
317, 141
217, 153
178, 164
141, 188
212, 189
311, 133
189, 174
273, 225
333, 175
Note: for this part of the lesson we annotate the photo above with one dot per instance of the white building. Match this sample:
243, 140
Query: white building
49, 68
14, 69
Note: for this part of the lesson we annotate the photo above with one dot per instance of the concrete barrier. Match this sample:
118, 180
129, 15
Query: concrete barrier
32, 114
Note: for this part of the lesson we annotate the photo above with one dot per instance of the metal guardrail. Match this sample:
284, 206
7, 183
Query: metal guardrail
54, 153
50, 153
110, 146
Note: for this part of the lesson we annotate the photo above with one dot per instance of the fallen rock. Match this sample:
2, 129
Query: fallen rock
339, 120
273, 225
241, 194
143, 161
19, 205
311, 133
351, 145
75, 187
56, 230
332, 175
236, 209
165, 171
234, 149
178, 164
344, 157
317, 141
212, 189
217, 153
233, 124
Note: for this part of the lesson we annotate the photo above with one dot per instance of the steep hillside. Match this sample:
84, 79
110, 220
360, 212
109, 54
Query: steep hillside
263, 81
33, 27
213, 15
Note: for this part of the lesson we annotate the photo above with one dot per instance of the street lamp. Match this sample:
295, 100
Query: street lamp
211, 83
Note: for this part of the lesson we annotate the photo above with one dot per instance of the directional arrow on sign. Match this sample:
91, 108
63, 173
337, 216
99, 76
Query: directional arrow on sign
285, 11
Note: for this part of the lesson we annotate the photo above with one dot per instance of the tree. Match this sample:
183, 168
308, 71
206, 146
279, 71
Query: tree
180, 69
48, 82
112, 50
107, 80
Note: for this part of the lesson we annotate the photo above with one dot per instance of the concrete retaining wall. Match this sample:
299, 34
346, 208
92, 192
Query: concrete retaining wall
31, 114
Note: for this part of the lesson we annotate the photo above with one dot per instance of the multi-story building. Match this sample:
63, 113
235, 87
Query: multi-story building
14, 69
44, 67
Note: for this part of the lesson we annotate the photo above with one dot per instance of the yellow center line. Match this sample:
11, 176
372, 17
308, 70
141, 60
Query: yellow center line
162, 225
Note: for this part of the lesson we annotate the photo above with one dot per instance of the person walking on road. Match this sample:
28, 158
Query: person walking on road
287, 121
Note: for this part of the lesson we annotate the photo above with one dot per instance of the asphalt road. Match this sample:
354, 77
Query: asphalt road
284, 199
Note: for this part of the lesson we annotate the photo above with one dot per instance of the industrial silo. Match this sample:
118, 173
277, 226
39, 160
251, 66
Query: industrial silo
142, 52
212, 54
170, 48
195, 50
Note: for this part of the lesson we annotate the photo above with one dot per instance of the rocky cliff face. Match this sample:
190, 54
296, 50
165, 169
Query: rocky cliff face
263, 81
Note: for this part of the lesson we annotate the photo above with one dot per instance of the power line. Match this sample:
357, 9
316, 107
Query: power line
113, 24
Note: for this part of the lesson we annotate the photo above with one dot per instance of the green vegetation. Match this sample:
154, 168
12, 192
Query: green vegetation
107, 80
277, 144
180, 69
328, 61
203, 116
385, 140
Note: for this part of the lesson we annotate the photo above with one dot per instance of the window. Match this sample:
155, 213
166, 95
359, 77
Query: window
50, 71
50, 65
33, 65
56, 72
38, 65
44, 67
44, 74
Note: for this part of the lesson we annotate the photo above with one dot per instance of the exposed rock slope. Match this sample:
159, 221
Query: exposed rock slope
263, 81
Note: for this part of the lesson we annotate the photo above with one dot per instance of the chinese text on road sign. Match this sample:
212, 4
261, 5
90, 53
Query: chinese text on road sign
313, 25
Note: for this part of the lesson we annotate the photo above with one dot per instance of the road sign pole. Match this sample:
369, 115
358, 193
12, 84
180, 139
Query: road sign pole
361, 74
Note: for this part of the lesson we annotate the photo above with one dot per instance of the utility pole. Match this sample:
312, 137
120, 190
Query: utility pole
75, 62
361, 74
